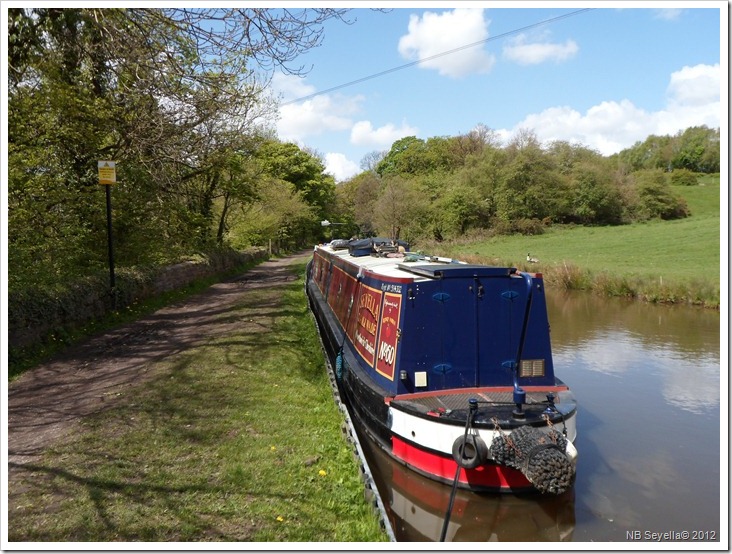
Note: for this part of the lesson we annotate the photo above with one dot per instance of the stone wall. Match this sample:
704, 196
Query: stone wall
35, 316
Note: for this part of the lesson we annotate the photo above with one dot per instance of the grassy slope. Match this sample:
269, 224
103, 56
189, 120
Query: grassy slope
682, 251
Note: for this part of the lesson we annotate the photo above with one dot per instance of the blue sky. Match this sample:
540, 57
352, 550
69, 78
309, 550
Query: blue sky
605, 78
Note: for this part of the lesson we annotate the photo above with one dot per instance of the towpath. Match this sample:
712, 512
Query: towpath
48, 402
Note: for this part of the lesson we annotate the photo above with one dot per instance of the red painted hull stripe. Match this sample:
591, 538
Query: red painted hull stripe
489, 476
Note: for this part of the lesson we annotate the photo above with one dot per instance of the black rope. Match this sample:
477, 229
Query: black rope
473, 406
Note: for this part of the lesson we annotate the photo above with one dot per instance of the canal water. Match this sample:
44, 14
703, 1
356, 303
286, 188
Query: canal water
647, 382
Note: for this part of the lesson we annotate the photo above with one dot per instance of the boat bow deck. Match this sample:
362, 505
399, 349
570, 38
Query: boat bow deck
495, 405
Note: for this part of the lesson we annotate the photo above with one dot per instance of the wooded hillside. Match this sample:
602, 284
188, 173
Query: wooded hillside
444, 187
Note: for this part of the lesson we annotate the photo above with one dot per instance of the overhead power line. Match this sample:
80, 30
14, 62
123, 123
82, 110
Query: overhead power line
446, 53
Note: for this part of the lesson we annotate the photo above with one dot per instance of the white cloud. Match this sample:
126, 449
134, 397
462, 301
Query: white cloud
340, 167
316, 116
364, 134
312, 117
669, 14
290, 87
693, 100
521, 51
434, 34
694, 86
298, 122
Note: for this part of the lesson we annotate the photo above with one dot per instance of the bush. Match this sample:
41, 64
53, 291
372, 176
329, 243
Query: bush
655, 198
684, 177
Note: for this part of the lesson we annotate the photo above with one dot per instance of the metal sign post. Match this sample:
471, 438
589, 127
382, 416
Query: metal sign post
108, 177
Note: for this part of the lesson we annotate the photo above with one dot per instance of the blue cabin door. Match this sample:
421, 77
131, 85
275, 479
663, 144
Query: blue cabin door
481, 322
502, 312
470, 327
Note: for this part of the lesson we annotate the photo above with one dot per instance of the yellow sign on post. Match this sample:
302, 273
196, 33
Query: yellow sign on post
107, 173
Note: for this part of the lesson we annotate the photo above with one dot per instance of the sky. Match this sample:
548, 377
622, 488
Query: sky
605, 77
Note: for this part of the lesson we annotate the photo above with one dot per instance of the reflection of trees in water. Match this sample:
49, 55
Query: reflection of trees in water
577, 317
677, 347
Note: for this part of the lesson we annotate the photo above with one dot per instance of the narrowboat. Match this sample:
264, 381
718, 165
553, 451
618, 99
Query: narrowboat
446, 365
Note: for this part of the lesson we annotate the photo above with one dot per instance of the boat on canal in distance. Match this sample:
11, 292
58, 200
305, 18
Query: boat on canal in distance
446, 365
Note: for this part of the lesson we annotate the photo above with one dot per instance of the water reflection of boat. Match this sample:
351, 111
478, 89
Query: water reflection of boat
416, 508
446, 365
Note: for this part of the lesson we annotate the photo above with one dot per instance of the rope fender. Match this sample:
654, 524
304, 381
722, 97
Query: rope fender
538, 455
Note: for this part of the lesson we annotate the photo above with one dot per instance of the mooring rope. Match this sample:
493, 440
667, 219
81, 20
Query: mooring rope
468, 420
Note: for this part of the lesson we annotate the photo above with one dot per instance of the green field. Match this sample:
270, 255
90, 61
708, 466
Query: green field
665, 261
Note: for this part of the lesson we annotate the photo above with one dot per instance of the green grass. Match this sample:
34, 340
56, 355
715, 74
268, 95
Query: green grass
678, 249
703, 199
237, 440
661, 261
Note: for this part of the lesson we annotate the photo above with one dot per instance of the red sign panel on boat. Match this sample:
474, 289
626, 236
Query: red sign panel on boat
369, 305
388, 335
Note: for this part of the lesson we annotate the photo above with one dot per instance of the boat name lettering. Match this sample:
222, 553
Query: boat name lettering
369, 326
369, 302
387, 353
388, 287
389, 335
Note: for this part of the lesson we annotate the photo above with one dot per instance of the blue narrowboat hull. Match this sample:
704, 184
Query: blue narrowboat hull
442, 362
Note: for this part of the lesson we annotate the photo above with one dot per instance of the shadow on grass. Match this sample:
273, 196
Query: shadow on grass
156, 512
176, 459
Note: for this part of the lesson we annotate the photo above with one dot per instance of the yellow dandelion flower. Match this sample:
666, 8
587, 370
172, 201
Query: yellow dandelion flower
280, 518
273, 448
322, 473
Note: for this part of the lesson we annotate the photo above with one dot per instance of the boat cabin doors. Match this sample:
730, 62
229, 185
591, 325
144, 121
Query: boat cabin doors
480, 329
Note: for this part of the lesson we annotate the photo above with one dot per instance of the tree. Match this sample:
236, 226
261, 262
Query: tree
402, 158
277, 215
530, 187
473, 143
371, 160
360, 193
460, 208
173, 95
286, 161
697, 149
399, 209
595, 200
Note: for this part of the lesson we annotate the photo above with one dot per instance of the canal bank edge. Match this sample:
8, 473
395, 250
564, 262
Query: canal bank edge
371, 491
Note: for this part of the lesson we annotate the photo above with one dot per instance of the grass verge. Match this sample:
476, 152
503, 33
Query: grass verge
236, 440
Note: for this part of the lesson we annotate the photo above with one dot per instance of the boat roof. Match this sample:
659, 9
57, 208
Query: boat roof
421, 268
